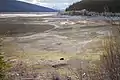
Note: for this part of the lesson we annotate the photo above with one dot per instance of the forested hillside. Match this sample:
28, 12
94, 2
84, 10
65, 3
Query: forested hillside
18, 6
96, 5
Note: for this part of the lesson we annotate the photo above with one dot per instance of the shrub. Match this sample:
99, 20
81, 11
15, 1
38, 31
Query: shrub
3, 64
110, 60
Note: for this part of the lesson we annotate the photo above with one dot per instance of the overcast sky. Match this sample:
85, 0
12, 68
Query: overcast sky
57, 4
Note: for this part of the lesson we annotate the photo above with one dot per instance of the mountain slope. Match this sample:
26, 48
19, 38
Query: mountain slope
18, 6
96, 5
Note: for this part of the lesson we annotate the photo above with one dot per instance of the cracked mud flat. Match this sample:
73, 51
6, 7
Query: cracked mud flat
45, 40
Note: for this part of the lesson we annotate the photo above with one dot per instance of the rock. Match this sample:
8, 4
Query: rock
61, 58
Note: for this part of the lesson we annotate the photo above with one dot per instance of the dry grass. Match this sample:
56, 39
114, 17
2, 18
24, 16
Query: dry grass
32, 65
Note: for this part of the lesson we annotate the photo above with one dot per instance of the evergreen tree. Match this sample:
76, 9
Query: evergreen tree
96, 5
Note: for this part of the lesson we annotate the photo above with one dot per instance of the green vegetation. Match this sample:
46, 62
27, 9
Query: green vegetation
3, 65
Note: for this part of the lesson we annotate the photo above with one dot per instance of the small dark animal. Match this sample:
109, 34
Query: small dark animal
61, 58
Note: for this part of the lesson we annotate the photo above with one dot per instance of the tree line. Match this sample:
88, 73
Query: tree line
96, 6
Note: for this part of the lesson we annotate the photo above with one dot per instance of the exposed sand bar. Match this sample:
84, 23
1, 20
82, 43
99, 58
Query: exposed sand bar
12, 29
26, 15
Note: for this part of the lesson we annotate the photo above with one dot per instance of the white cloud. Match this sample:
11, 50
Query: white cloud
58, 4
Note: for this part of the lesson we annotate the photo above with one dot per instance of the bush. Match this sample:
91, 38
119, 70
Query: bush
3, 65
110, 60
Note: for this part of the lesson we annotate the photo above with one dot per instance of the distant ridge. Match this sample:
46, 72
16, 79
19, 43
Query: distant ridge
18, 6
96, 6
